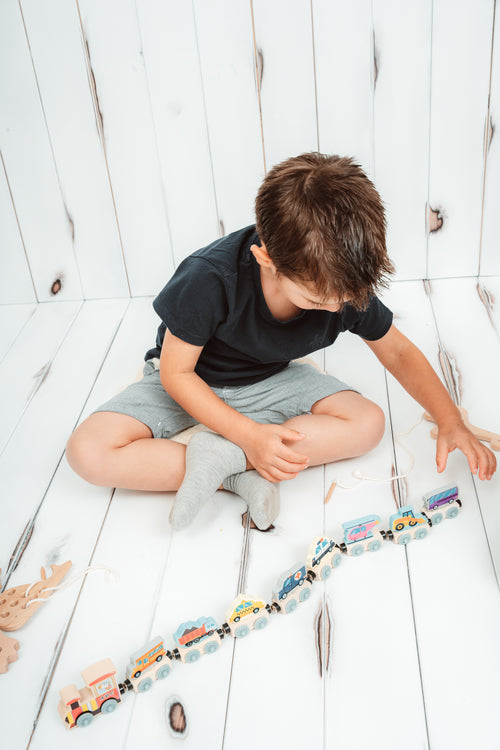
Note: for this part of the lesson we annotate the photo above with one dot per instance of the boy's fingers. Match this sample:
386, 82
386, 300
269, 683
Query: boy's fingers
288, 434
287, 454
276, 475
441, 455
289, 467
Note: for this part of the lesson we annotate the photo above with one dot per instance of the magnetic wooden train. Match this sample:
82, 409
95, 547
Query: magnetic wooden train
102, 693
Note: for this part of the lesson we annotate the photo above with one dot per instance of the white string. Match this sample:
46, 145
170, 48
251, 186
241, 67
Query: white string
110, 576
361, 478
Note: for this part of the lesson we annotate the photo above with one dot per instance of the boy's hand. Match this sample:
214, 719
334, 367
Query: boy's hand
266, 451
456, 435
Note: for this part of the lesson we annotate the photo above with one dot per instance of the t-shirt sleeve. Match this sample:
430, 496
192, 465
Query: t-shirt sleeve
194, 302
371, 324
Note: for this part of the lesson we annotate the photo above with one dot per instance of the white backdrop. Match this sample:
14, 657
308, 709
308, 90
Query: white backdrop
133, 132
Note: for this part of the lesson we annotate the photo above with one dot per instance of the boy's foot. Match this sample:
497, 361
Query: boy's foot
261, 496
210, 458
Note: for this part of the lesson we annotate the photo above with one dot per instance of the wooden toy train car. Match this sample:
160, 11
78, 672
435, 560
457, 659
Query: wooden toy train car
195, 638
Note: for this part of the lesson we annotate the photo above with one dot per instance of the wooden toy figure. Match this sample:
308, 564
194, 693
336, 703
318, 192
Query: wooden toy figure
189, 634
405, 525
253, 612
101, 694
8, 651
442, 502
17, 604
323, 555
359, 535
149, 663
292, 585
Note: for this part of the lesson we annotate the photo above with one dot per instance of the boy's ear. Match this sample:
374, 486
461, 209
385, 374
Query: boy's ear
261, 256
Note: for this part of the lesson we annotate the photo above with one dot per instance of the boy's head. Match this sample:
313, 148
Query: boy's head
323, 225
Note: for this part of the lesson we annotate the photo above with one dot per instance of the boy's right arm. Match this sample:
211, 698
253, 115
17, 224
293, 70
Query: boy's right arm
262, 443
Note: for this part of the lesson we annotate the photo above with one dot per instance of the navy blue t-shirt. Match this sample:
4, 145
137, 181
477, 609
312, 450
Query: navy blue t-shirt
215, 300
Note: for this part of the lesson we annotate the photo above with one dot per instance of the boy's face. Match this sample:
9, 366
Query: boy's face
300, 294
303, 295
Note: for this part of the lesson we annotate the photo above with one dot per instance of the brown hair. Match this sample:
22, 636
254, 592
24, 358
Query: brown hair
323, 224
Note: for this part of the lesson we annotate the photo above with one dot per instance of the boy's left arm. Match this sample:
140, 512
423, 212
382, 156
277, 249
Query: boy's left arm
410, 367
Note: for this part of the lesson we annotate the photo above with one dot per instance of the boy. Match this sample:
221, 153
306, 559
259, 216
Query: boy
234, 315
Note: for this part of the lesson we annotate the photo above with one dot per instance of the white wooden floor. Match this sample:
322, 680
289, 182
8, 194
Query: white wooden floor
399, 649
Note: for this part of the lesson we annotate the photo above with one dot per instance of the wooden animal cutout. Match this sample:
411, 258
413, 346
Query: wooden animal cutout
8, 651
15, 609
489, 437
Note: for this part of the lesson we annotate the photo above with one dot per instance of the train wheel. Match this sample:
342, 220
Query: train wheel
305, 594
211, 648
242, 631
421, 533
84, 719
326, 572
193, 656
375, 545
109, 706
404, 539
452, 513
290, 606
261, 622
437, 518
163, 672
357, 550
336, 560
145, 685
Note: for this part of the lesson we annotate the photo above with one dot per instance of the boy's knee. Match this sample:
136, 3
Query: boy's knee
372, 424
84, 455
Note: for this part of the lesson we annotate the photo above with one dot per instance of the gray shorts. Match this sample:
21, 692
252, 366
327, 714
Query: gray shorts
271, 401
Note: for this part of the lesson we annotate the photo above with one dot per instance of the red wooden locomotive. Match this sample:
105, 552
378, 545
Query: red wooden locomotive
101, 694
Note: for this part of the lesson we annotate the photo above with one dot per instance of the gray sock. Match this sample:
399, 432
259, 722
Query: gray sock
261, 496
210, 458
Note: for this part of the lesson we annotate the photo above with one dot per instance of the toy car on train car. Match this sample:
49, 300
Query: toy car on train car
441, 503
295, 577
244, 613
360, 536
153, 651
294, 585
246, 608
406, 525
203, 631
322, 556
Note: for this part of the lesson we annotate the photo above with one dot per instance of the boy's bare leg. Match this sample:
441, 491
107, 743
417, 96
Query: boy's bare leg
340, 426
115, 450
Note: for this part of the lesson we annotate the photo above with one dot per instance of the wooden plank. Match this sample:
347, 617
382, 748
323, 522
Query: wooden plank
77, 142
13, 318
282, 660
157, 573
116, 58
173, 69
375, 662
27, 154
402, 37
28, 363
201, 576
228, 68
343, 60
490, 257
454, 589
72, 514
28, 462
471, 339
16, 284
459, 97
283, 38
